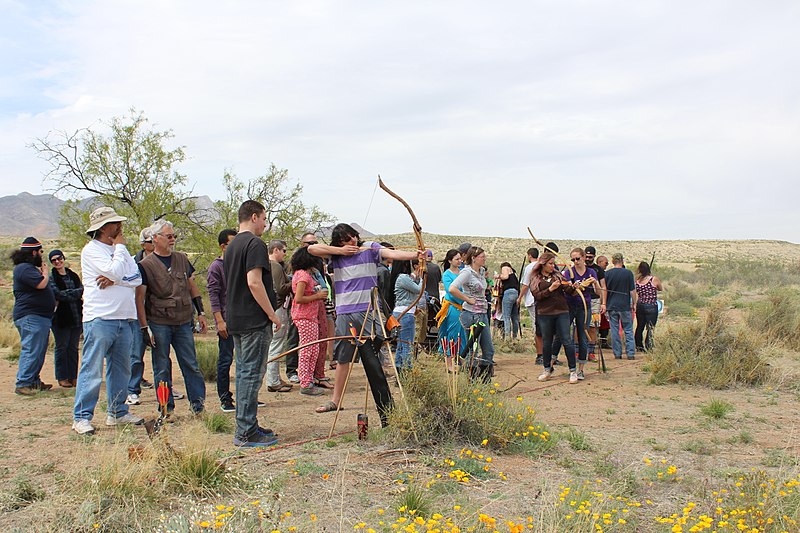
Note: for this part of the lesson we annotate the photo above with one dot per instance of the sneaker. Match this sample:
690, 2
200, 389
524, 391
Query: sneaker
294, 379
178, 395
573, 377
539, 360
124, 419
267, 432
581, 376
146, 384
257, 441
592, 357
555, 362
133, 399
259, 403
83, 427
311, 390
26, 391
227, 406
544, 376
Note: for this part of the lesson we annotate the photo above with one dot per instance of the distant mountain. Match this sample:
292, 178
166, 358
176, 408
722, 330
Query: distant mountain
37, 214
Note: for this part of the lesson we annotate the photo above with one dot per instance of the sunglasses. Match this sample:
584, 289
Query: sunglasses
310, 242
53, 260
573, 259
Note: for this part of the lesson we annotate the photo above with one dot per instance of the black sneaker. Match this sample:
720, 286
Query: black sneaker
267, 432
257, 440
539, 360
227, 406
146, 384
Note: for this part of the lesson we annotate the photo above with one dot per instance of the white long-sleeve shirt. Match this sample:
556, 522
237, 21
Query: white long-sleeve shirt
117, 302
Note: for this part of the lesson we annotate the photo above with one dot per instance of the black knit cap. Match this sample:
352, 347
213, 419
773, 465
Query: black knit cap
30, 243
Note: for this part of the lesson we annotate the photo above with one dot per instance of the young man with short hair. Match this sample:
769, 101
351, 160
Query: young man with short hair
217, 295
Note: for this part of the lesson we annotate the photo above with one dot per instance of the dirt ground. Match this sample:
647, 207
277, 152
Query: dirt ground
623, 416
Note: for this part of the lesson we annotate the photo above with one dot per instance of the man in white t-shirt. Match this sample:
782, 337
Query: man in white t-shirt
526, 299
110, 278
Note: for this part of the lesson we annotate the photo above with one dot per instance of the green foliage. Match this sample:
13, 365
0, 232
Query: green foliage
218, 422
778, 317
415, 498
577, 440
716, 408
22, 493
207, 356
709, 352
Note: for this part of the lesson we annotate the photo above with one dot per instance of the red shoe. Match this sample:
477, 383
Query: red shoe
592, 356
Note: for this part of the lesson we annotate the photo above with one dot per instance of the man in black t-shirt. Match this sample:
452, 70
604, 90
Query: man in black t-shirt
598, 300
250, 316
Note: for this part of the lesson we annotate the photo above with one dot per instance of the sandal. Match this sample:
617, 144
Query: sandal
327, 408
323, 384
333, 364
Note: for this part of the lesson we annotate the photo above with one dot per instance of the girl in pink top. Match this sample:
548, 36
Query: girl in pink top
309, 297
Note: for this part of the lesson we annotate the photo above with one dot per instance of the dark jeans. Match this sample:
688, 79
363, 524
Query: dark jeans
552, 324
182, 339
137, 363
645, 314
293, 358
577, 316
66, 353
224, 363
252, 349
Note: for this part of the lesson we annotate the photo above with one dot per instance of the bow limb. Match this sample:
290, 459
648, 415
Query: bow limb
420, 243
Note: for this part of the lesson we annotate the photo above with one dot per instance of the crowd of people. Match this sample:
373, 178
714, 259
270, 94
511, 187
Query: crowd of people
323, 308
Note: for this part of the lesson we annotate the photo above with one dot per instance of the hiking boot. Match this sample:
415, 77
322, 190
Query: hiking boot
573, 377
124, 419
581, 376
83, 427
43, 386
544, 376
26, 391
65, 383
145, 384
227, 406
311, 391
258, 440
133, 399
178, 395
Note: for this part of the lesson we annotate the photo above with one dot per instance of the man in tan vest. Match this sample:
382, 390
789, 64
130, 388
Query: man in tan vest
164, 306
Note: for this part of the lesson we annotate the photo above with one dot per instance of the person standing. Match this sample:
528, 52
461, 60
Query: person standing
110, 279
581, 277
250, 319
621, 306
508, 299
451, 332
34, 303
355, 274
164, 303
217, 295
282, 285
407, 284
647, 287
68, 319
526, 298
138, 382
598, 300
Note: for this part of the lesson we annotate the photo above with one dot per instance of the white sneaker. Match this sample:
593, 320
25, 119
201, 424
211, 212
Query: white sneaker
573, 377
294, 378
544, 376
83, 427
581, 376
125, 419
178, 395
133, 399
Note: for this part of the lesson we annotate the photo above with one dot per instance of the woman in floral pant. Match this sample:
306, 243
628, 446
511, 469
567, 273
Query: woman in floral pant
308, 306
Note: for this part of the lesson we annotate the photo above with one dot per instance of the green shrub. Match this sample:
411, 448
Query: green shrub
207, 356
778, 317
716, 409
709, 352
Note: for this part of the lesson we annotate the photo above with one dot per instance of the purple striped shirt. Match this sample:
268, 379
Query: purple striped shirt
354, 276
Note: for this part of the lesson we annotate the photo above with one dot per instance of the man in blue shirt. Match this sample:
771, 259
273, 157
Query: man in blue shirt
621, 305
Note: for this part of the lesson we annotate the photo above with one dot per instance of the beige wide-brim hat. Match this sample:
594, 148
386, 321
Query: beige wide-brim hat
102, 216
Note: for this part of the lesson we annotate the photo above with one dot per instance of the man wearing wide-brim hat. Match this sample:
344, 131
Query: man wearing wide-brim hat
110, 278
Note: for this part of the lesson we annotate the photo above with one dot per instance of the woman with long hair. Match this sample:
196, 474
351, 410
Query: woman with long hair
68, 319
309, 296
580, 304
451, 332
470, 286
407, 284
550, 289
508, 294
647, 287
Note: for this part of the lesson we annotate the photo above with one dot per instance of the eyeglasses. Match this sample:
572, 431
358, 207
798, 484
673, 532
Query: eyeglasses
309, 243
167, 235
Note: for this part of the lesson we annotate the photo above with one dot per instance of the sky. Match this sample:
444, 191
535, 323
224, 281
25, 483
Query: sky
614, 120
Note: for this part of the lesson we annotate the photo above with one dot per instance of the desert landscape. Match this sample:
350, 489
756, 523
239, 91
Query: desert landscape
699, 435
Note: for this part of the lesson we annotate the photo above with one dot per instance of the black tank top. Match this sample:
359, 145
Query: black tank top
511, 283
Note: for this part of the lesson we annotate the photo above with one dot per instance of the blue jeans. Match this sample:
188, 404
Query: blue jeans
614, 318
645, 314
550, 326
110, 340
252, 351
511, 313
405, 340
224, 368
34, 334
65, 357
181, 338
486, 358
577, 316
137, 363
